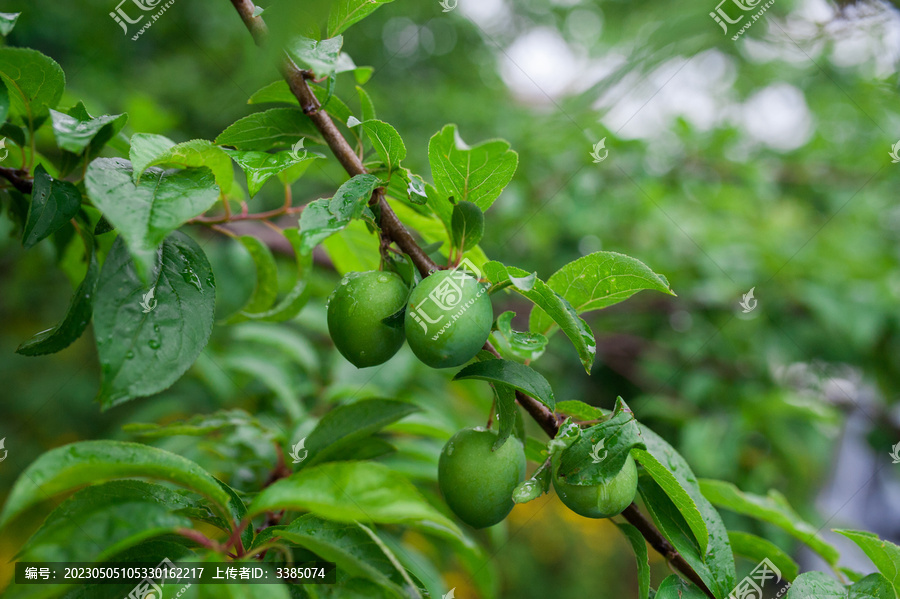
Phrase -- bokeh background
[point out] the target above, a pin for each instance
(760, 163)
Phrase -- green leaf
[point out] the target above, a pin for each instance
(884, 554)
(534, 487)
(321, 56)
(291, 304)
(772, 508)
(74, 133)
(580, 410)
(347, 545)
(597, 281)
(322, 218)
(195, 154)
(146, 339)
(347, 424)
(352, 492)
(269, 129)
(477, 174)
(466, 225)
(601, 451)
(552, 303)
(667, 466)
(756, 549)
(145, 148)
(516, 375)
(266, 290)
(277, 92)
(517, 345)
(7, 22)
(35, 83)
(366, 105)
(345, 13)
(816, 585)
(89, 462)
(145, 213)
(77, 315)
(873, 586)
(639, 545)
(4, 107)
(506, 412)
(262, 166)
(53, 204)
(387, 143)
(119, 514)
(674, 587)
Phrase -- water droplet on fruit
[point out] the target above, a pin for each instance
(382, 278)
(449, 449)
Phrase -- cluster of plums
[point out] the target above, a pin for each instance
(478, 483)
(448, 317)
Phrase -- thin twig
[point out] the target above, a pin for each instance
(18, 177)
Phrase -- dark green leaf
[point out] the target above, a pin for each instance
(77, 315)
(53, 204)
(516, 345)
(884, 554)
(639, 545)
(601, 451)
(261, 166)
(873, 586)
(773, 508)
(4, 106)
(75, 133)
(35, 83)
(597, 281)
(347, 424)
(674, 587)
(756, 549)
(144, 214)
(506, 412)
(321, 218)
(466, 225)
(148, 338)
(552, 303)
(291, 304)
(516, 375)
(387, 143)
(477, 174)
(345, 13)
(278, 127)
(816, 585)
(266, 290)
(89, 462)
(7, 22)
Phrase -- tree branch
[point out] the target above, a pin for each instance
(392, 228)
(19, 178)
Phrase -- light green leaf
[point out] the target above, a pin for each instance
(816, 585)
(261, 166)
(7, 22)
(387, 143)
(53, 204)
(195, 154)
(477, 174)
(321, 56)
(35, 83)
(145, 213)
(74, 133)
(277, 127)
(552, 303)
(516, 345)
(291, 304)
(366, 104)
(580, 410)
(145, 148)
(321, 218)
(772, 508)
(518, 376)
(466, 225)
(534, 487)
(345, 13)
(147, 337)
(597, 281)
(89, 462)
(266, 290)
(674, 587)
(884, 554)
(756, 549)
(639, 545)
(873, 586)
(352, 492)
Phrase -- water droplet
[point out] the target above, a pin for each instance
(449, 449)
(191, 277)
(156, 328)
(210, 281)
(382, 278)
(129, 355)
(153, 343)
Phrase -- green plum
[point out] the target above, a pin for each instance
(476, 482)
(599, 501)
(448, 319)
(356, 309)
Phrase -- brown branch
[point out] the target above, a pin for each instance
(394, 229)
(19, 178)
